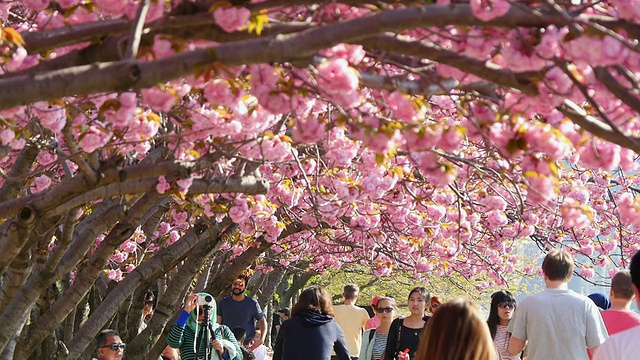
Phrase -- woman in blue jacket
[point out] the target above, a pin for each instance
(311, 333)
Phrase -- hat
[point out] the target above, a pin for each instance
(600, 300)
(374, 301)
(285, 311)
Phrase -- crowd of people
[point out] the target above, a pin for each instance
(556, 323)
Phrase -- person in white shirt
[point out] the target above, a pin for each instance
(557, 323)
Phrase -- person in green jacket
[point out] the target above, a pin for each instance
(182, 335)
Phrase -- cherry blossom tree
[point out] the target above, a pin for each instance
(145, 143)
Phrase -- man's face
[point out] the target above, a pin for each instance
(238, 287)
(105, 352)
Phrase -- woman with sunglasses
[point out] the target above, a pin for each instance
(503, 304)
(374, 341)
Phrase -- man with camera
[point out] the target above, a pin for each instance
(198, 336)
(239, 310)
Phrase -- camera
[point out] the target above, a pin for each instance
(205, 300)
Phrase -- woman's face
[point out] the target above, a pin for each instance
(417, 303)
(505, 310)
(386, 311)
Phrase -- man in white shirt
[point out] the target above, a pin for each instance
(625, 344)
(557, 323)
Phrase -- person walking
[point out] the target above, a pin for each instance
(619, 317)
(404, 333)
(503, 304)
(556, 323)
(311, 333)
(351, 318)
(374, 341)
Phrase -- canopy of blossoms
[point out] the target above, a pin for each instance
(440, 137)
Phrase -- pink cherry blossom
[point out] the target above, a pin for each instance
(36, 5)
(338, 80)
(45, 158)
(239, 212)
(40, 183)
(587, 272)
(111, 6)
(115, 275)
(179, 217)
(158, 99)
(185, 184)
(94, 138)
(231, 19)
(487, 10)
(52, 117)
(119, 257)
(162, 185)
(65, 4)
(173, 237)
(7, 135)
(128, 246)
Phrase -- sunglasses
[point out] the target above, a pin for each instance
(386, 309)
(115, 347)
(507, 304)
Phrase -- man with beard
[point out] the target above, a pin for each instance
(239, 310)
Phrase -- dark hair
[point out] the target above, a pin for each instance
(240, 333)
(558, 265)
(423, 291)
(634, 268)
(350, 291)
(244, 278)
(456, 332)
(493, 320)
(621, 285)
(101, 339)
(314, 298)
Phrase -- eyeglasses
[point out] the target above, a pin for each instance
(386, 309)
(507, 304)
(435, 306)
(115, 347)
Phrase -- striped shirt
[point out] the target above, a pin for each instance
(379, 345)
(501, 341)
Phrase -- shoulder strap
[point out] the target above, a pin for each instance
(400, 322)
(372, 333)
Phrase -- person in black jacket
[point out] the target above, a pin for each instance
(311, 333)
(404, 333)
